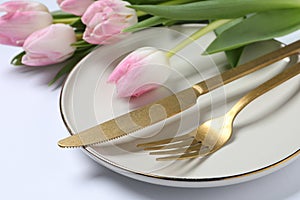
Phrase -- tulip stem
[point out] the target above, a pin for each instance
(140, 13)
(79, 36)
(210, 27)
(66, 20)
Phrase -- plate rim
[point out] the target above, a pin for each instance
(194, 182)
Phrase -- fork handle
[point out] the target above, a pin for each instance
(265, 87)
(247, 68)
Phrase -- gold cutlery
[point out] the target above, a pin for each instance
(171, 105)
(215, 133)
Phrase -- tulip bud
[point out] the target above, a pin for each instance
(49, 45)
(22, 18)
(141, 71)
(105, 21)
(75, 7)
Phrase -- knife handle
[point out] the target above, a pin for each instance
(247, 68)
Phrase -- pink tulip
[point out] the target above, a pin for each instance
(141, 71)
(105, 21)
(49, 45)
(22, 18)
(75, 7)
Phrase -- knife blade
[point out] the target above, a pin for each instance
(171, 105)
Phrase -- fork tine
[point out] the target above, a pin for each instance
(193, 155)
(178, 150)
(184, 143)
(180, 157)
(164, 141)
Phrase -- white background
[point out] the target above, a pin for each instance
(34, 167)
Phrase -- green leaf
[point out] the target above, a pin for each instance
(65, 70)
(152, 21)
(146, 1)
(162, 2)
(233, 56)
(71, 63)
(216, 9)
(259, 27)
(81, 43)
(62, 15)
(78, 25)
(228, 25)
(169, 22)
(17, 60)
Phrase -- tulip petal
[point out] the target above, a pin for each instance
(141, 71)
(13, 6)
(76, 7)
(142, 79)
(132, 60)
(5, 40)
(105, 21)
(21, 19)
(49, 45)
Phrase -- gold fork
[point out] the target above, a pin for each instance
(213, 134)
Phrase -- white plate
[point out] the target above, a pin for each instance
(266, 135)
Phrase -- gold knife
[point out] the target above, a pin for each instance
(171, 105)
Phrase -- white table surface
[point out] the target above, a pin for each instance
(34, 167)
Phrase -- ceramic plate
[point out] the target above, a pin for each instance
(266, 133)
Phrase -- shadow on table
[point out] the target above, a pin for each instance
(280, 185)
(42, 75)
